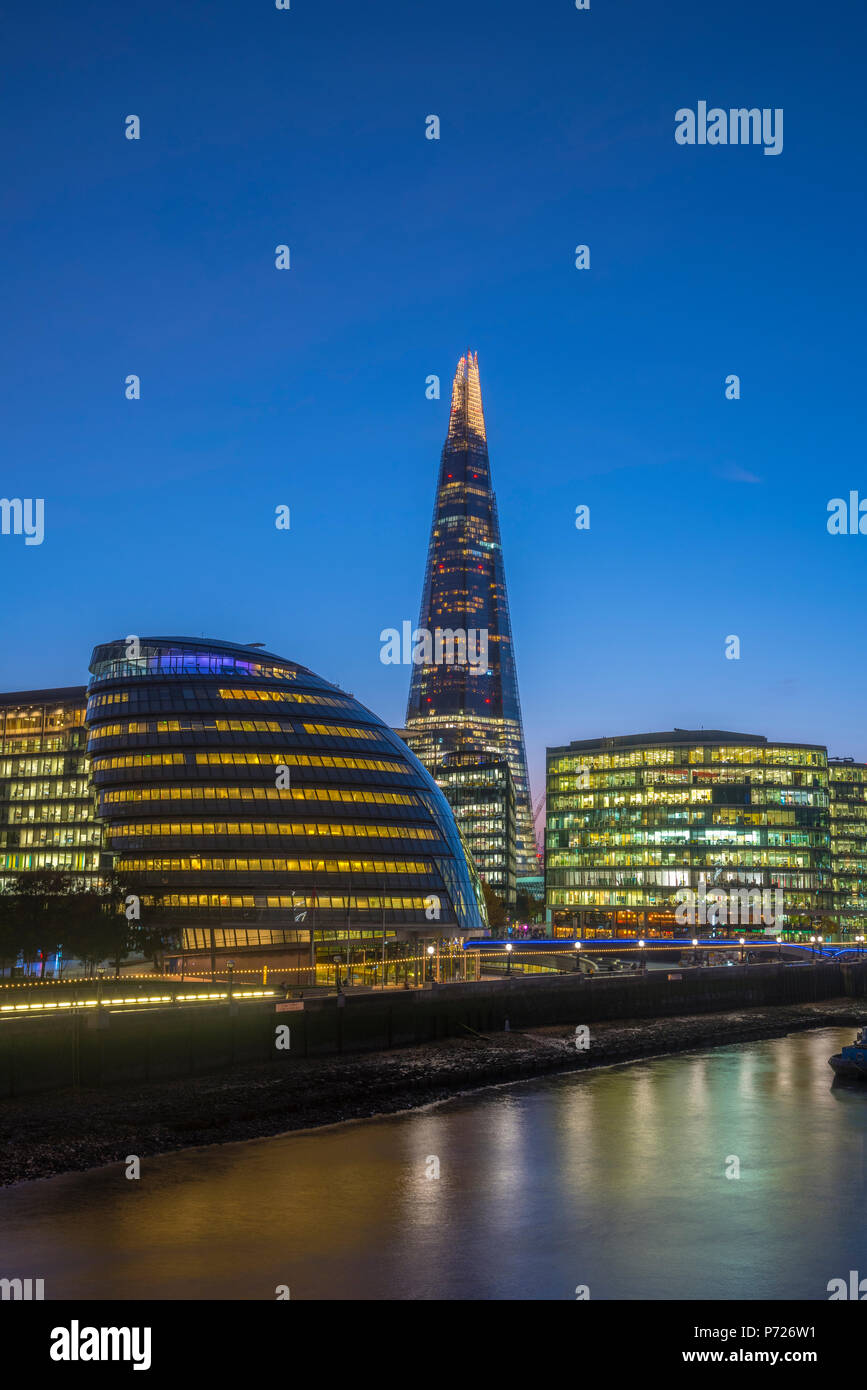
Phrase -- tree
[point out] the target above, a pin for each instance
(33, 902)
(495, 907)
(10, 944)
(44, 911)
(154, 941)
(528, 908)
(96, 926)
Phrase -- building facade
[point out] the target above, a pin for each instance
(480, 789)
(848, 787)
(48, 815)
(533, 885)
(459, 705)
(633, 821)
(262, 811)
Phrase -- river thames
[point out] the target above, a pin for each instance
(614, 1180)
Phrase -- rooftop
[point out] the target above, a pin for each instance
(57, 695)
(678, 737)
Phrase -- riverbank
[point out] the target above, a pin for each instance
(43, 1135)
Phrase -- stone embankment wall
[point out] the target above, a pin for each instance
(64, 1051)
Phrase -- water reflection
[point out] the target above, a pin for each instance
(616, 1179)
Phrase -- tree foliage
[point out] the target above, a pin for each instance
(44, 911)
(495, 906)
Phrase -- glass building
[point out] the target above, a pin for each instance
(47, 806)
(631, 820)
(849, 843)
(533, 885)
(480, 789)
(263, 811)
(454, 705)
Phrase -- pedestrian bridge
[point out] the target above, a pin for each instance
(564, 953)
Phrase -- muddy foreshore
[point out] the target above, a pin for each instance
(60, 1132)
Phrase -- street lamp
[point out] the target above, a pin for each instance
(742, 945)
(508, 957)
(578, 956)
(231, 968)
(813, 950)
(695, 950)
(641, 946)
(430, 951)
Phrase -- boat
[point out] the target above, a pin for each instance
(851, 1062)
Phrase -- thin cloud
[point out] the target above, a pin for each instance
(733, 473)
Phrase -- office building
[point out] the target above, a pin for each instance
(48, 816)
(481, 792)
(469, 704)
(263, 811)
(632, 820)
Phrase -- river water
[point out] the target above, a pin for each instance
(614, 1180)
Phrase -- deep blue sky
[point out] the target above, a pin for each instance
(306, 387)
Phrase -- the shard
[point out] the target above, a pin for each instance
(455, 705)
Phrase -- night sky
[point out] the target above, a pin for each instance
(306, 387)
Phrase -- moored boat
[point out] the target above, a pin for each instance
(851, 1062)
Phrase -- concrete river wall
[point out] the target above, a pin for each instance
(121, 1047)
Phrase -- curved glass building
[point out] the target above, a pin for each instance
(261, 809)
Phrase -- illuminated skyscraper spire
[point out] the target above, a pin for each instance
(456, 705)
(467, 419)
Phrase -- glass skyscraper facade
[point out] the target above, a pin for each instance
(456, 706)
(849, 843)
(253, 800)
(480, 789)
(631, 820)
(48, 816)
